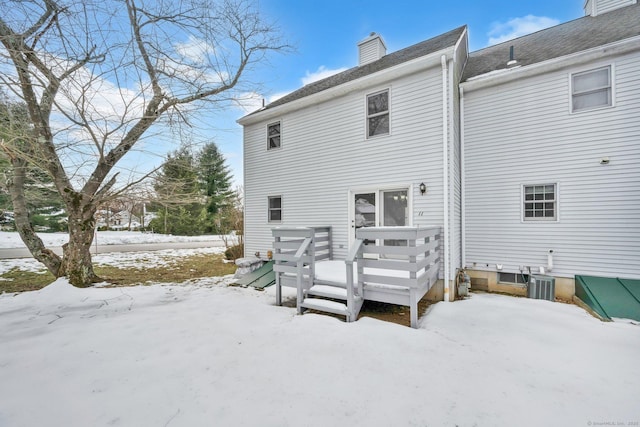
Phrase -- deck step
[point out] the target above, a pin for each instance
(325, 305)
(328, 292)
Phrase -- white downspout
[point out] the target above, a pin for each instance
(445, 175)
(463, 177)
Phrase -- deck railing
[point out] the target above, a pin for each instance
(397, 265)
(296, 249)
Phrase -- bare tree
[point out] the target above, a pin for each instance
(98, 76)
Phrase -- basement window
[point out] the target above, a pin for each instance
(513, 278)
(378, 113)
(591, 89)
(275, 209)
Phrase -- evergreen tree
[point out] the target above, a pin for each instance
(215, 181)
(179, 194)
(43, 203)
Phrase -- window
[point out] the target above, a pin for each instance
(540, 202)
(275, 208)
(378, 114)
(591, 89)
(273, 135)
(517, 278)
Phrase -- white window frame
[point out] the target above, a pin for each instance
(269, 147)
(556, 202)
(368, 116)
(270, 209)
(610, 87)
(378, 190)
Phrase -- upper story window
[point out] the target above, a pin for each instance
(273, 135)
(591, 89)
(275, 209)
(540, 202)
(378, 114)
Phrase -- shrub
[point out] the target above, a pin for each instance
(234, 252)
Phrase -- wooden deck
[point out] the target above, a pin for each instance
(396, 265)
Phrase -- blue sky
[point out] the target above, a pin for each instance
(325, 36)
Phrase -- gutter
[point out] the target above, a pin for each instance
(445, 176)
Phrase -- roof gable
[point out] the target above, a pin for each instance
(424, 48)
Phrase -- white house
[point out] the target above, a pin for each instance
(433, 135)
(354, 149)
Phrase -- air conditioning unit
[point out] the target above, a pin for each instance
(541, 287)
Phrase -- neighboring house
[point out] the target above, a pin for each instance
(121, 220)
(432, 135)
(551, 137)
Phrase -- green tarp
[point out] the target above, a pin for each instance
(610, 297)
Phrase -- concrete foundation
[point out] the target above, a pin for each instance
(488, 281)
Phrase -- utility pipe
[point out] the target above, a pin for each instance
(463, 191)
(445, 175)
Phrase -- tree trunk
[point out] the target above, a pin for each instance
(76, 260)
(23, 225)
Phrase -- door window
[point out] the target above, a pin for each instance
(389, 208)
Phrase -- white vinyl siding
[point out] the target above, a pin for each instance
(327, 155)
(523, 132)
(591, 89)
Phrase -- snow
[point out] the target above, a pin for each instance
(12, 239)
(204, 353)
(335, 271)
(144, 259)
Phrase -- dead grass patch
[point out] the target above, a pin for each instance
(378, 310)
(20, 281)
(184, 268)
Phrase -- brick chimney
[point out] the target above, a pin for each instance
(371, 49)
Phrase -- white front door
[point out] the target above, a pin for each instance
(377, 208)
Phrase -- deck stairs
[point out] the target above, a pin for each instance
(395, 265)
(331, 297)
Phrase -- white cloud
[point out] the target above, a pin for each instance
(278, 95)
(321, 73)
(249, 102)
(252, 101)
(194, 49)
(517, 27)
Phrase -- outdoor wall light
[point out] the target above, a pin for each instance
(423, 188)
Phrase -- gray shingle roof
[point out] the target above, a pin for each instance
(564, 39)
(421, 49)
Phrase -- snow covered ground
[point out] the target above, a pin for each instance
(12, 239)
(124, 260)
(204, 354)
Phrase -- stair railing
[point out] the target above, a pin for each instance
(353, 288)
(299, 259)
